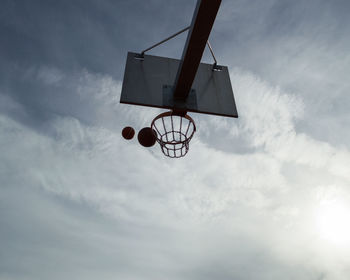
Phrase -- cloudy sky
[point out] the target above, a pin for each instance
(265, 196)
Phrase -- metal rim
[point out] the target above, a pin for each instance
(171, 113)
(178, 145)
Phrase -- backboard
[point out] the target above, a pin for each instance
(150, 82)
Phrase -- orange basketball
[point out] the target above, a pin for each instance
(147, 137)
(128, 132)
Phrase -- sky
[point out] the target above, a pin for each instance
(265, 196)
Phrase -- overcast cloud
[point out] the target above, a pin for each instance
(265, 196)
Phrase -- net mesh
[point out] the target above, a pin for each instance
(174, 133)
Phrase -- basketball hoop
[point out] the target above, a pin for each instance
(182, 86)
(174, 133)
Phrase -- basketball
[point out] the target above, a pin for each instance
(128, 132)
(147, 137)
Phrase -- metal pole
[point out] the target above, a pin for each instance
(202, 23)
(212, 53)
(167, 39)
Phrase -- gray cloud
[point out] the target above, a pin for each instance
(300, 46)
(76, 200)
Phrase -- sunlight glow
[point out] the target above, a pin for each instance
(333, 222)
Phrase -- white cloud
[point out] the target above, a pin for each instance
(50, 75)
(78, 201)
(212, 194)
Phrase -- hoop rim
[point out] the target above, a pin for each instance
(173, 148)
(171, 113)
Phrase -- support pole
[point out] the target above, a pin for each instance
(202, 23)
